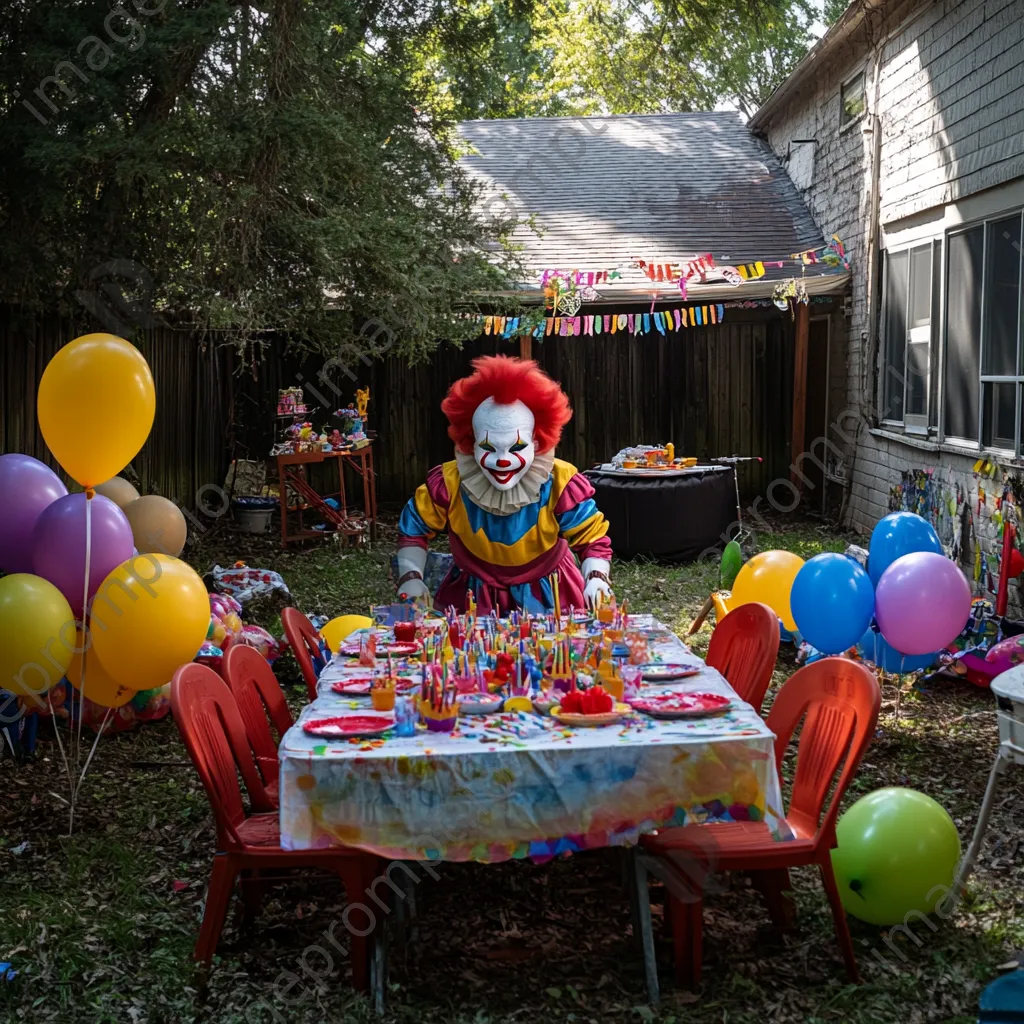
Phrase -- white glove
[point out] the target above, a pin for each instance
(595, 586)
(412, 559)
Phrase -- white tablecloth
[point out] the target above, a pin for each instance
(505, 786)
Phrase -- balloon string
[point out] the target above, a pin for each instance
(63, 756)
(85, 629)
(88, 760)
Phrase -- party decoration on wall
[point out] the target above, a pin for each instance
(37, 631)
(27, 488)
(768, 578)
(661, 321)
(163, 621)
(898, 534)
(96, 406)
(922, 602)
(157, 525)
(941, 503)
(59, 545)
(118, 490)
(896, 856)
(832, 601)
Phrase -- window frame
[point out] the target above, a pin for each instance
(914, 423)
(978, 445)
(844, 123)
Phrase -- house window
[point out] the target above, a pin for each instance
(907, 391)
(984, 372)
(851, 100)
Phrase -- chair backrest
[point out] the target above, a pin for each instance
(261, 703)
(837, 700)
(335, 631)
(214, 735)
(305, 642)
(743, 648)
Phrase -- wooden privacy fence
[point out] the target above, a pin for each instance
(721, 391)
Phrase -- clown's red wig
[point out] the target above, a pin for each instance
(506, 380)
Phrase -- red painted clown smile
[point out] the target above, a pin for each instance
(500, 473)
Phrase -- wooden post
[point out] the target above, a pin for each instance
(525, 346)
(796, 447)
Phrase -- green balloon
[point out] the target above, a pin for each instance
(732, 562)
(898, 851)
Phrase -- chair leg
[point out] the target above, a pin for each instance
(643, 916)
(696, 930)
(254, 888)
(357, 876)
(218, 897)
(828, 879)
(775, 886)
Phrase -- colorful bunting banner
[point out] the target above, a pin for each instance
(592, 325)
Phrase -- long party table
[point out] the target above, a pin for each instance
(520, 786)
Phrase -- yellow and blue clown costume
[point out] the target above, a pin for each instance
(505, 560)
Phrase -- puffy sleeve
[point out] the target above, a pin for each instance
(426, 512)
(581, 522)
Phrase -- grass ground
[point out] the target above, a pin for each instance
(101, 924)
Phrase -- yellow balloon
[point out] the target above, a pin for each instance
(118, 490)
(99, 687)
(37, 636)
(768, 578)
(96, 406)
(342, 626)
(149, 616)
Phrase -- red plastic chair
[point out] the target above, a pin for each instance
(259, 697)
(305, 642)
(743, 648)
(212, 730)
(838, 701)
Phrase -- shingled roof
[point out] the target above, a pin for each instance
(606, 191)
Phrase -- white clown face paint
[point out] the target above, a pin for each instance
(503, 445)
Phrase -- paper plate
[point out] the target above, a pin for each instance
(682, 705)
(608, 718)
(659, 672)
(345, 726)
(357, 687)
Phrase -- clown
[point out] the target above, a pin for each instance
(514, 513)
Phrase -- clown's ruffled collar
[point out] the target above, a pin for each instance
(503, 503)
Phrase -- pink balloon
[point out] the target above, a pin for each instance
(922, 602)
(58, 545)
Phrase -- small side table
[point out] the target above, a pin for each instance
(1008, 689)
(291, 472)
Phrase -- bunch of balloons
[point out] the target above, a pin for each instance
(147, 612)
(910, 603)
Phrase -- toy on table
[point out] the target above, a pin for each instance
(362, 401)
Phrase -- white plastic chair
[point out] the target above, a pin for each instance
(1008, 688)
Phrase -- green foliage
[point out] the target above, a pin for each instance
(833, 10)
(267, 167)
(622, 56)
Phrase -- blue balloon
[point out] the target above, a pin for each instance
(899, 534)
(875, 648)
(832, 601)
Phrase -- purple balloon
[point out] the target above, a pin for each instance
(26, 488)
(922, 602)
(58, 545)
